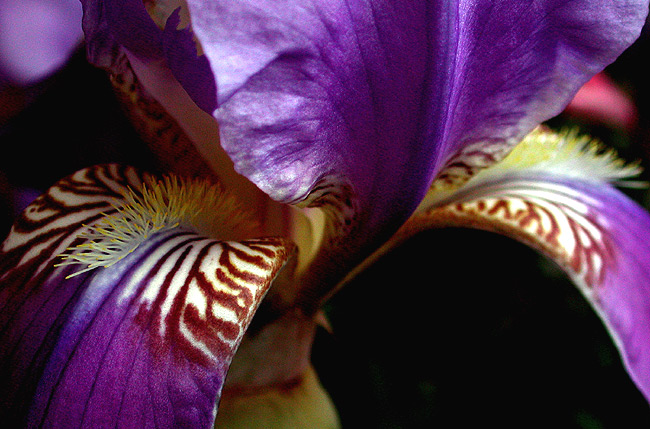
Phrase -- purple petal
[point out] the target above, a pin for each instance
(37, 37)
(112, 26)
(382, 93)
(624, 294)
(143, 343)
(593, 231)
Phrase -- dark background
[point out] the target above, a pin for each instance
(489, 332)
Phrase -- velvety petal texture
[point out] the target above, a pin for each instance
(361, 94)
(381, 93)
(145, 341)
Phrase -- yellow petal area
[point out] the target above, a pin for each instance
(303, 405)
(566, 154)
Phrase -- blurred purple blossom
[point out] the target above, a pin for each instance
(36, 38)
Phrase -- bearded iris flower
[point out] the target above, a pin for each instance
(126, 298)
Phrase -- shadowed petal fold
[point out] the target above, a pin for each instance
(145, 341)
(113, 28)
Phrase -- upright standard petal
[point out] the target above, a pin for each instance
(375, 91)
(142, 336)
(552, 194)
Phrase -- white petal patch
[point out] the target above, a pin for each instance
(197, 299)
(514, 196)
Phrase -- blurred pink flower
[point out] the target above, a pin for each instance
(601, 101)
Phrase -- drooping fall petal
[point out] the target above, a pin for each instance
(552, 194)
(144, 335)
